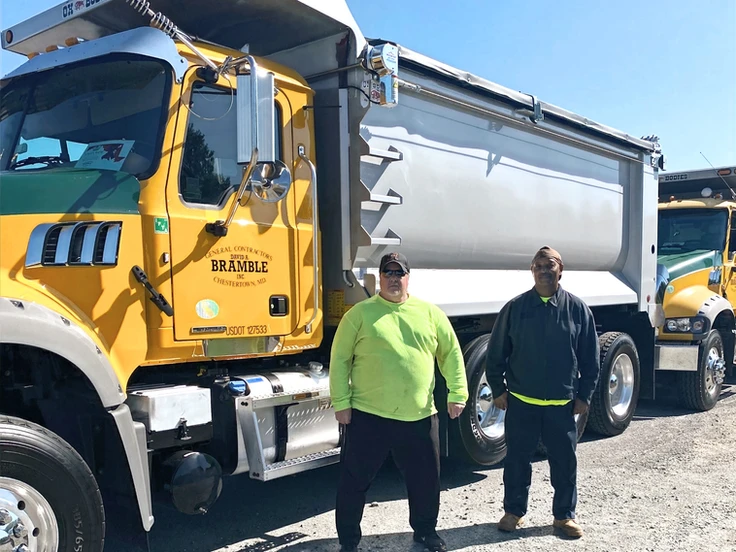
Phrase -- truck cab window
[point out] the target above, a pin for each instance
(732, 238)
(48, 120)
(210, 170)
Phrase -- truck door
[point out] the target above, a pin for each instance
(242, 285)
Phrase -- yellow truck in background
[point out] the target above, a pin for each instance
(697, 279)
(194, 193)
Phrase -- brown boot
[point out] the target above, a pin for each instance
(569, 527)
(510, 522)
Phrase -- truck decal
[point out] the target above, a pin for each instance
(207, 309)
(239, 266)
(70, 9)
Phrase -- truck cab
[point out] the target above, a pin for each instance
(697, 279)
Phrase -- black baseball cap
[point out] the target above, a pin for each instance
(397, 258)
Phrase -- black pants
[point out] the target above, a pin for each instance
(524, 424)
(415, 449)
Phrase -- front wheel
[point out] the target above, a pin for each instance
(49, 499)
(617, 393)
(481, 425)
(700, 390)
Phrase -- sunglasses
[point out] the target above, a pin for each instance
(398, 273)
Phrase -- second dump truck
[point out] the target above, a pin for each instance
(696, 280)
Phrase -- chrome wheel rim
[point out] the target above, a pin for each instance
(714, 364)
(27, 521)
(490, 418)
(621, 386)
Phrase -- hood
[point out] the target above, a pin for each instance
(68, 191)
(680, 264)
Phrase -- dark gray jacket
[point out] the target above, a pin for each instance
(539, 348)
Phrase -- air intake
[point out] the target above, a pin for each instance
(74, 244)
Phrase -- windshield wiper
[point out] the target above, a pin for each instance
(48, 159)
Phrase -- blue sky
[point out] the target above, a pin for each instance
(664, 67)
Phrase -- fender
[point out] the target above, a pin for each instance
(713, 306)
(696, 300)
(23, 322)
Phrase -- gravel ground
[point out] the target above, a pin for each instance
(668, 483)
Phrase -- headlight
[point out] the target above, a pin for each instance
(695, 325)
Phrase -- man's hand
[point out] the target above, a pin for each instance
(581, 407)
(502, 401)
(344, 416)
(455, 409)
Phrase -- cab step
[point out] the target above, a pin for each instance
(249, 408)
(297, 465)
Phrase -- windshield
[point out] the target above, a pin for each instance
(102, 114)
(687, 230)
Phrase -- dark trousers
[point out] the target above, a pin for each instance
(415, 449)
(524, 424)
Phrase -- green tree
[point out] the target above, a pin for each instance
(200, 182)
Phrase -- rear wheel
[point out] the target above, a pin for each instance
(700, 390)
(49, 499)
(481, 425)
(617, 394)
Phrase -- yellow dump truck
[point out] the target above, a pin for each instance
(194, 193)
(697, 280)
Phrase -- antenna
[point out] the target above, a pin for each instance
(165, 24)
(733, 194)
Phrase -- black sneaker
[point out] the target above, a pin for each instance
(432, 542)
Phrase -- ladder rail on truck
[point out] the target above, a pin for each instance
(697, 252)
(220, 194)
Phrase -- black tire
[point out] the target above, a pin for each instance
(694, 386)
(42, 460)
(472, 443)
(604, 418)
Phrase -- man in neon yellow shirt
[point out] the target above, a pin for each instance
(540, 341)
(382, 377)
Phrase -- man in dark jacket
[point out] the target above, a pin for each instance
(542, 366)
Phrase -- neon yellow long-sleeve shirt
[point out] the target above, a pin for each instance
(382, 359)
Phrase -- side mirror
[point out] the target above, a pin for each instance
(256, 144)
(271, 181)
(714, 278)
(256, 113)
